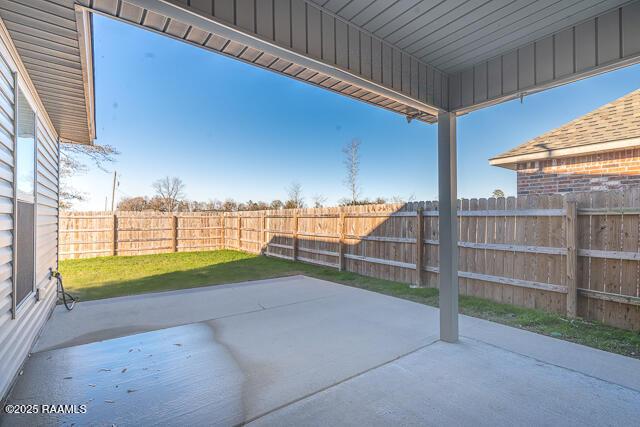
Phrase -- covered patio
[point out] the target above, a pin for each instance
(302, 351)
(429, 61)
(298, 350)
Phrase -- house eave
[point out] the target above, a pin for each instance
(7, 41)
(510, 162)
(84, 24)
(50, 67)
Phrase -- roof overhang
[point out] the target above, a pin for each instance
(511, 162)
(22, 72)
(85, 44)
(179, 21)
(413, 58)
(53, 40)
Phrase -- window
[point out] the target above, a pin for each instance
(26, 149)
(24, 221)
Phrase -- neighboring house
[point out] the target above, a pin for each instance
(598, 151)
(46, 96)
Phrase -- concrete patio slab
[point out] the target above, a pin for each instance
(95, 320)
(288, 350)
(151, 378)
(467, 384)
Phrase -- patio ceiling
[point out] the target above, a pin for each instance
(456, 35)
(201, 31)
(413, 57)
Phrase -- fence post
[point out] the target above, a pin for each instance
(341, 241)
(265, 230)
(419, 246)
(295, 235)
(174, 233)
(239, 225)
(571, 226)
(262, 233)
(114, 248)
(223, 221)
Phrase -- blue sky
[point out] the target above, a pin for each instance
(231, 130)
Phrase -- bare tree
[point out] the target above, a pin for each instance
(319, 200)
(229, 205)
(137, 204)
(294, 192)
(170, 191)
(184, 206)
(352, 164)
(208, 206)
(255, 206)
(156, 203)
(214, 205)
(73, 162)
(276, 204)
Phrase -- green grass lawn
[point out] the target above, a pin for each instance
(107, 277)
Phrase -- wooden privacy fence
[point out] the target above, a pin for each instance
(578, 256)
(92, 234)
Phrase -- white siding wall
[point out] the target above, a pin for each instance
(18, 334)
(47, 225)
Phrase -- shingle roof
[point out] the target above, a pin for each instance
(618, 120)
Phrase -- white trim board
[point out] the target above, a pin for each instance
(601, 147)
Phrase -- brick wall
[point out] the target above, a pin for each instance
(595, 172)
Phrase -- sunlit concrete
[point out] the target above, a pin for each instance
(304, 351)
(111, 318)
(469, 384)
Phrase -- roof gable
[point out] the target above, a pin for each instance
(616, 121)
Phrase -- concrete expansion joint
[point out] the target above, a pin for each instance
(552, 364)
(263, 308)
(430, 342)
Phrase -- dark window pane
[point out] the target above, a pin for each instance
(24, 251)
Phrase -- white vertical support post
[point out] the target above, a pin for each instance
(447, 186)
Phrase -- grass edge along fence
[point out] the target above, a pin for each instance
(576, 255)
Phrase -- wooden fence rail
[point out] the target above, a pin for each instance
(579, 255)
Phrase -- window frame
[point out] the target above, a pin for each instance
(20, 86)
